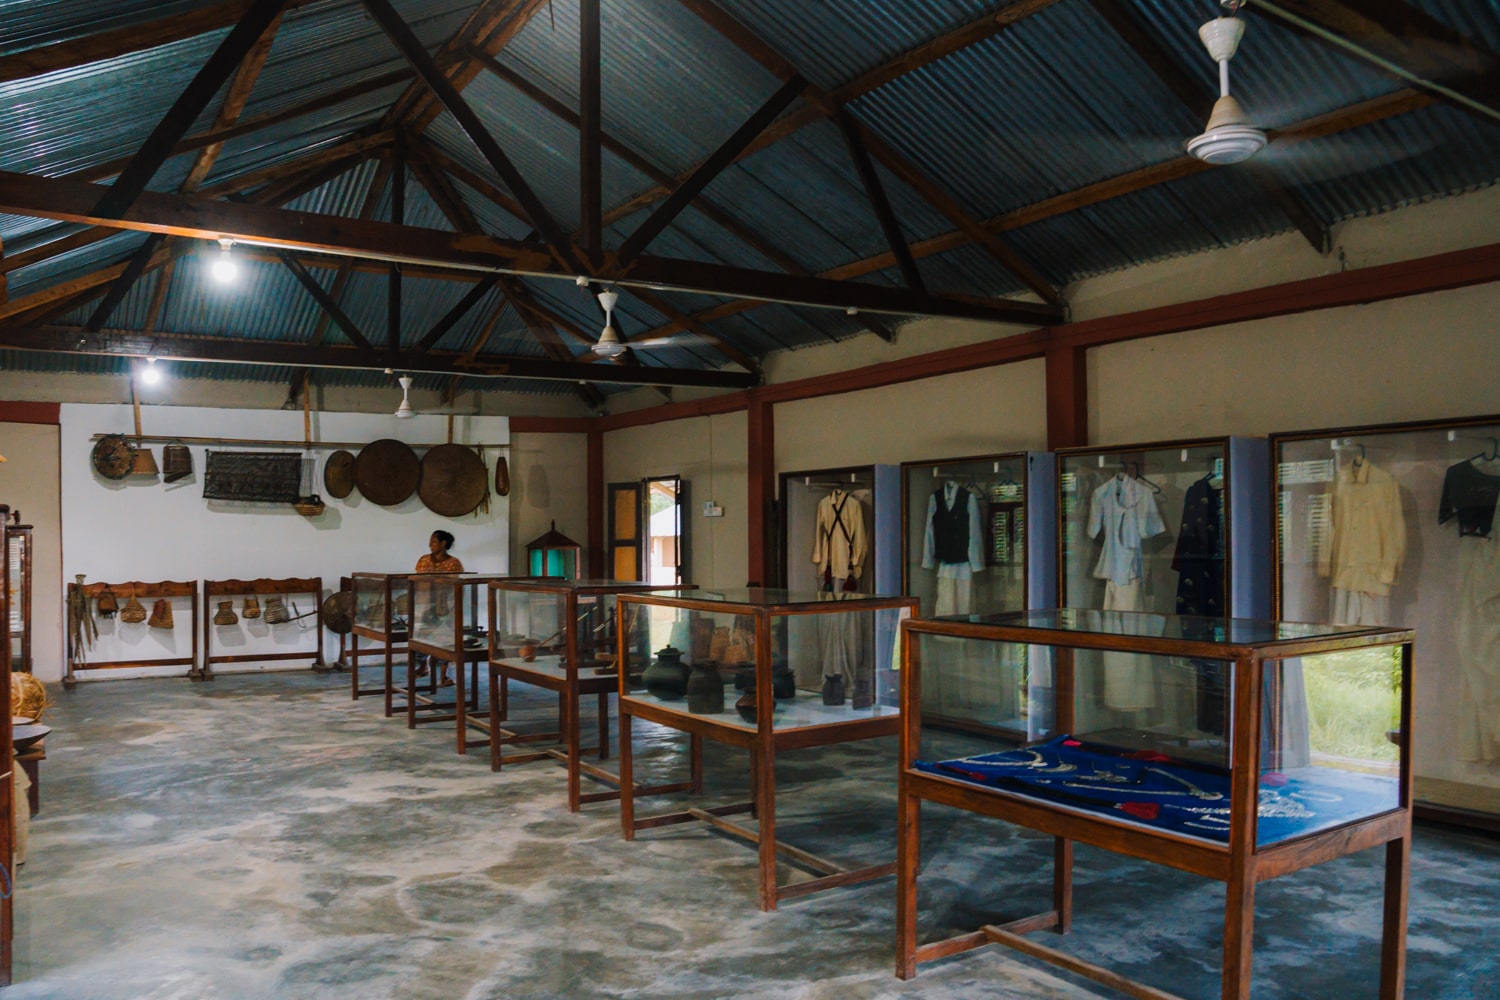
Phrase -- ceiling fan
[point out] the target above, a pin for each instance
(610, 347)
(1229, 137)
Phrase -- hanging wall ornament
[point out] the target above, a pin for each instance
(502, 477)
(113, 457)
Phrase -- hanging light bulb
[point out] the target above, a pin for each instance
(404, 411)
(224, 269)
(609, 345)
(151, 374)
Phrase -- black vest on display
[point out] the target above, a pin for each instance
(950, 528)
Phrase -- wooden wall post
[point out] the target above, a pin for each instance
(1067, 396)
(761, 464)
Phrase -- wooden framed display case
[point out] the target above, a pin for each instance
(382, 609)
(834, 521)
(7, 754)
(115, 626)
(814, 670)
(559, 635)
(18, 591)
(1394, 524)
(271, 601)
(449, 624)
(1285, 785)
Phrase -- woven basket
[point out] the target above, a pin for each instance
(276, 612)
(133, 612)
(252, 607)
(225, 615)
(161, 614)
(309, 506)
(27, 696)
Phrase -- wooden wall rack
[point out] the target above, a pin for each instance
(311, 586)
(143, 592)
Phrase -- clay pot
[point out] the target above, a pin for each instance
(667, 676)
(744, 678)
(833, 689)
(527, 652)
(705, 689)
(783, 681)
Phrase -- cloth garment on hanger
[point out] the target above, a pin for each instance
(953, 544)
(1469, 494)
(840, 545)
(1199, 562)
(1367, 533)
(1129, 679)
(1123, 510)
(1354, 607)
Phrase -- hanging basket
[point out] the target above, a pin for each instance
(252, 607)
(133, 612)
(161, 614)
(309, 506)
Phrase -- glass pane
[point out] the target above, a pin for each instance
(966, 535)
(626, 504)
(1144, 530)
(1331, 755)
(1236, 631)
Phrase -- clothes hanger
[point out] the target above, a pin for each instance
(1134, 469)
(1492, 456)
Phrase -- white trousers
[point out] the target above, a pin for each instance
(1354, 607)
(954, 597)
(1128, 677)
(1478, 626)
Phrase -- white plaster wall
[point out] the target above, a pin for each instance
(29, 483)
(148, 531)
(978, 412)
(548, 481)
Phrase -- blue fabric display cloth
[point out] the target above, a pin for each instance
(1158, 791)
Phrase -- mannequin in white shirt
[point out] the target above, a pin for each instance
(953, 544)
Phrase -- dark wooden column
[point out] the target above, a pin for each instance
(1067, 396)
(761, 463)
(596, 504)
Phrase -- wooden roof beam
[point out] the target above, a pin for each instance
(898, 164)
(184, 347)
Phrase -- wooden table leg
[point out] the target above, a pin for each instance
(908, 865)
(1239, 927)
(763, 761)
(695, 762)
(354, 660)
(627, 779)
(575, 746)
(1393, 930)
(1062, 883)
(603, 725)
(495, 755)
(390, 682)
(460, 707)
(411, 689)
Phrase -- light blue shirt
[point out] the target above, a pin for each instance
(1124, 509)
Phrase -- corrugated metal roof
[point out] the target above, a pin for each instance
(1053, 103)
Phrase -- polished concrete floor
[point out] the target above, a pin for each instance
(266, 836)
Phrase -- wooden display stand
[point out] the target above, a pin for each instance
(563, 676)
(144, 592)
(763, 742)
(422, 705)
(7, 786)
(389, 641)
(312, 586)
(1241, 863)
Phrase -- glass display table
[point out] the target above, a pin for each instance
(807, 670)
(1258, 774)
(382, 610)
(559, 635)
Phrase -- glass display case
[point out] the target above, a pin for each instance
(18, 591)
(561, 635)
(839, 529)
(7, 787)
(449, 624)
(769, 671)
(1266, 775)
(1394, 525)
(382, 610)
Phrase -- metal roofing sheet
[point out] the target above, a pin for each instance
(27, 24)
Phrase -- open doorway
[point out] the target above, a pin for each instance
(665, 543)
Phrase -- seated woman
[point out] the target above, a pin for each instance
(438, 560)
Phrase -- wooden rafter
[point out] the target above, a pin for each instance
(1344, 119)
(590, 131)
(24, 194)
(328, 303)
(1199, 102)
(452, 100)
(187, 347)
(898, 164)
(875, 191)
(710, 168)
(188, 106)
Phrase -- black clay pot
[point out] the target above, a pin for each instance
(746, 707)
(744, 678)
(833, 689)
(705, 689)
(667, 676)
(783, 681)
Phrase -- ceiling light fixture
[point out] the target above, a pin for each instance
(151, 374)
(1229, 137)
(404, 411)
(609, 344)
(224, 269)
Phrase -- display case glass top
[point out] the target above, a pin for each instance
(382, 603)
(771, 597)
(443, 605)
(1189, 727)
(1223, 631)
